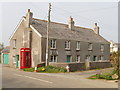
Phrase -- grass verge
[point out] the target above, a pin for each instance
(106, 76)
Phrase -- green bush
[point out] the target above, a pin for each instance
(47, 69)
(115, 71)
(107, 76)
(29, 69)
(102, 76)
(51, 69)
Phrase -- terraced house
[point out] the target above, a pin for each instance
(67, 43)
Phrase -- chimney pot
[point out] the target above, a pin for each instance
(71, 23)
(28, 10)
(96, 29)
(71, 19)
(95, 24)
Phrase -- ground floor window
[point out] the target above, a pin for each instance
(53, 58)
(87, 57)
(101, 58)
(94, 58)
(69, 58)
(78, 58)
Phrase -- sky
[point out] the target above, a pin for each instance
(85, 14)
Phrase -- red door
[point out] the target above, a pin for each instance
(25, 60)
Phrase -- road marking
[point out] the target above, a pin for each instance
(34, 78)
(62, 75)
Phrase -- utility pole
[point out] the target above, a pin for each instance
(47, 41)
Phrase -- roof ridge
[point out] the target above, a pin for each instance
(63, 24)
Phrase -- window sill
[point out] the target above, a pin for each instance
(77, 49)
(53, 48)
(14, 47)
(77, 62)
(53, 62)
(67, 49)
(89, 49)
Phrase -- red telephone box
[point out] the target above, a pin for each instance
(25, 58)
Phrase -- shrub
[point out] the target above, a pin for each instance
(47, 69)
(115, 71)
(114, 58)
(51, 69)
(28, 69)
(102, 76)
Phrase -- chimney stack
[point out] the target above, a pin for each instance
(96, 29)
(29, 16)
(71, 23)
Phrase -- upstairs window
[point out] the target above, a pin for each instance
(78, 58)
(53, 58)
(14, 43)
(78, 45)
(53, 44)
(90, 46)
(102, 47)
(67, 44)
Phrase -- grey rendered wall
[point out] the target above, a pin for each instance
(61, 52)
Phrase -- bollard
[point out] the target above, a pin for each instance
(35, 69)
(67, 67)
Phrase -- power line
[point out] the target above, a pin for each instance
(98, 9)
(93, 21)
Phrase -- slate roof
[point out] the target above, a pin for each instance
(61, 31)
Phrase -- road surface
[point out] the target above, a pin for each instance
(15, 78)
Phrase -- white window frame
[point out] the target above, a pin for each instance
(14, 43)
(53, 60)
(78, 58)
(53, 44)
(67, 44)
(87, 57)
(101, 58)
(90, 46)
(102, 47)
(78, 45)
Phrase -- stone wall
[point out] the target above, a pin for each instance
(94, 65)
(81, 66)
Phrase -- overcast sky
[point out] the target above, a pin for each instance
(85, 14)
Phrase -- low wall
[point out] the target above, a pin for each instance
(73, 66)
(82, 66)
(95, 65)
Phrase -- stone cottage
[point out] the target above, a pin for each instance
(67, 43)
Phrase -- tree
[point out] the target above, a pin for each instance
(1, 46)
(115, 60)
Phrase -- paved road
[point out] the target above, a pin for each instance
(13, 78)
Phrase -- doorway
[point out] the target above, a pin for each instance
(68, 58)
(17, 61)
(5, 58)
